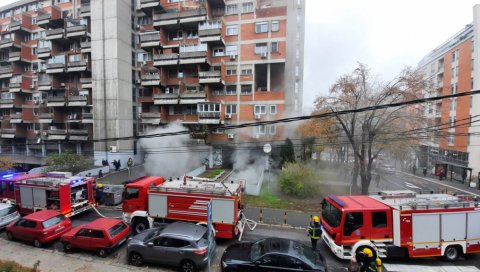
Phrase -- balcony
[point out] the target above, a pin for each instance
(56, 134)
(6, 71)
(87, 118)
(15, 26)
(10, 133)
(86, 83)
(151, 80)
(44, 52)
(45, 118)
(211, 35)
(165, 59)
(210, 77)
(7, 103)
(15, 87)
(7, 43)
(56, 101)
(148, 4)
(74, 118)
(16, 118)
(76, 31)
(150, 118)
(86, 47)
(77, 66)
(78, 134)
(150, 39)
(198, 57)
(209, 118)
(85, 10)
(45, 85)
(165, 19)
(53, 68)
(14, 56)
(193, 16)
(165, 99)
(193, 97)
(78, 101)
(43, 19)
(54, 34)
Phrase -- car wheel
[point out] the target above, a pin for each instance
(187, 266)
(135, 259)
(10, 236)
(67, 247)
(37, 243)
(451, 253)
(101, 252)
(140, 225)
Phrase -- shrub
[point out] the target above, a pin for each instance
(298, 179)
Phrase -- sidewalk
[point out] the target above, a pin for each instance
(449, 184)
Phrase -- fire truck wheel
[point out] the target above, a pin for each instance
(451, 253)
(10, 236)
(135, 259)
(37, 243)
(101, 252)
(139, 225)
(187, 266)
(67, 247)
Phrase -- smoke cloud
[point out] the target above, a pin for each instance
(172, 156)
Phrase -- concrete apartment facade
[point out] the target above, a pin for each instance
(81, 75)
(452, 68)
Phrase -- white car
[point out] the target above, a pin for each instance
(387, 168)
(8, 214)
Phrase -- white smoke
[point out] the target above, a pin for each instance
(248, 166)
(172, 156)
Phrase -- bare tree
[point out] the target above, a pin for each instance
(368, 131)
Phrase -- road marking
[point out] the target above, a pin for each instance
(410, 185)
(425, 268)
(441, 184)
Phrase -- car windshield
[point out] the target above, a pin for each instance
(7, 211)
(117, 229)
(330, 214)
(257, 250)
(153, 233)
(53, 221)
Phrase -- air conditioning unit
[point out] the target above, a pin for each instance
(45, 133)
(62, 84)
(138, 81)
(231, 136)
(257, 116)
(264, 55)
(113, 149)
(228, 116)
(233, 57)
(32, 86)
(36, 132)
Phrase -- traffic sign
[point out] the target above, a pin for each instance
(267, 148)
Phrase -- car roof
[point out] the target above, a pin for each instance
(286, 246)
(184, 230)
(141, 182)
(5, 206)
(102, 223)
(42, 215)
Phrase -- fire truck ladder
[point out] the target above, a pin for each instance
(244, 221)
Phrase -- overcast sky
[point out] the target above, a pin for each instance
(386, 35)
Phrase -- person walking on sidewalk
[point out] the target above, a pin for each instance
(314, 231)
(377, 180)
(424, 171)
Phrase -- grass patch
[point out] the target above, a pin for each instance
(267, 200)
(10, 266)
(213, 173)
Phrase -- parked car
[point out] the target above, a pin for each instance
(102, 235)
(386, 169)
(177, 244)
(39, 227)
(272, 254)
(8, 214)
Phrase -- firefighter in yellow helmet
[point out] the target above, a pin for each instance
(315, 231)
(368, 263)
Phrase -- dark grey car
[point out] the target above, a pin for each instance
(180, 244)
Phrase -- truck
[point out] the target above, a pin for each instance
(154, 199)
(401, 224)
(7, 184)
(58, 191)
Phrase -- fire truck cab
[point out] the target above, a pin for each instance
(401, 223)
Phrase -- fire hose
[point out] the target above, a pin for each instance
(95, 208)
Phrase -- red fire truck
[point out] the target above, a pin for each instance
(55, 191)
(153, 199)
(7, 184)
(402, 223)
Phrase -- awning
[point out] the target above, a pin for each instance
(10, 136)
(454, 164)
(57, 137)
(55, 104)
(78, 138)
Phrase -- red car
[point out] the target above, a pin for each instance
(101, 235)
(40, 227)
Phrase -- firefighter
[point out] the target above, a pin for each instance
(315, 231)
(367, 262)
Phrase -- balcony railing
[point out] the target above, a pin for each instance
(43, 18)
(14, 55)
(77, 100)
(151, 77)
(86, 82)
(44, 50)
(210, 32)
(5, 43)
(150, 115)
(87, 115)
(6, 70)
(164, 19)
(56, 33)
(46, 115)
(86, 46)
(78, 131)
(78, 28)
(166, 99)
(55, 68)
(149, 37)
(16, 116)
(209, 77)
(148, 3)
(165, 59)
(198, 54)
(15, 25)
(85, 10)
(77, 63)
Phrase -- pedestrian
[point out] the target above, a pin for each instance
(424, 171)
(100, 173)
(414, 168)
(440, 172)
(119, 165)
(464, 175)
(315, 231)
(377, 180)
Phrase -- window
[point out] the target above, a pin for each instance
(275, 26)
(26, 223)
(180, 73)
(246, 89)
(379, 219)
(261, 27)
(274, 48)
(260, 109)
(451, 139)
(218, 52)
(260, 130)
(261, 48)
(273, 129)
(175, 35)
(231, 89)
(247, 70)
(273, 109)
(131, 193)
(232, 30)
(117, 229)
(231, 109)
(353, 221)
(53, 221)
(231, 50)
(175, 110)
(247, 7)
(210, 107)
(231, 70)
(231, 9)
(171, 242)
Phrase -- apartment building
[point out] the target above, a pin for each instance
(90, 75)
(451, 68)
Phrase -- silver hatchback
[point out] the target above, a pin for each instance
(8, 214)
(180, 244)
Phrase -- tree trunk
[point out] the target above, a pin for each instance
(355, 176)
